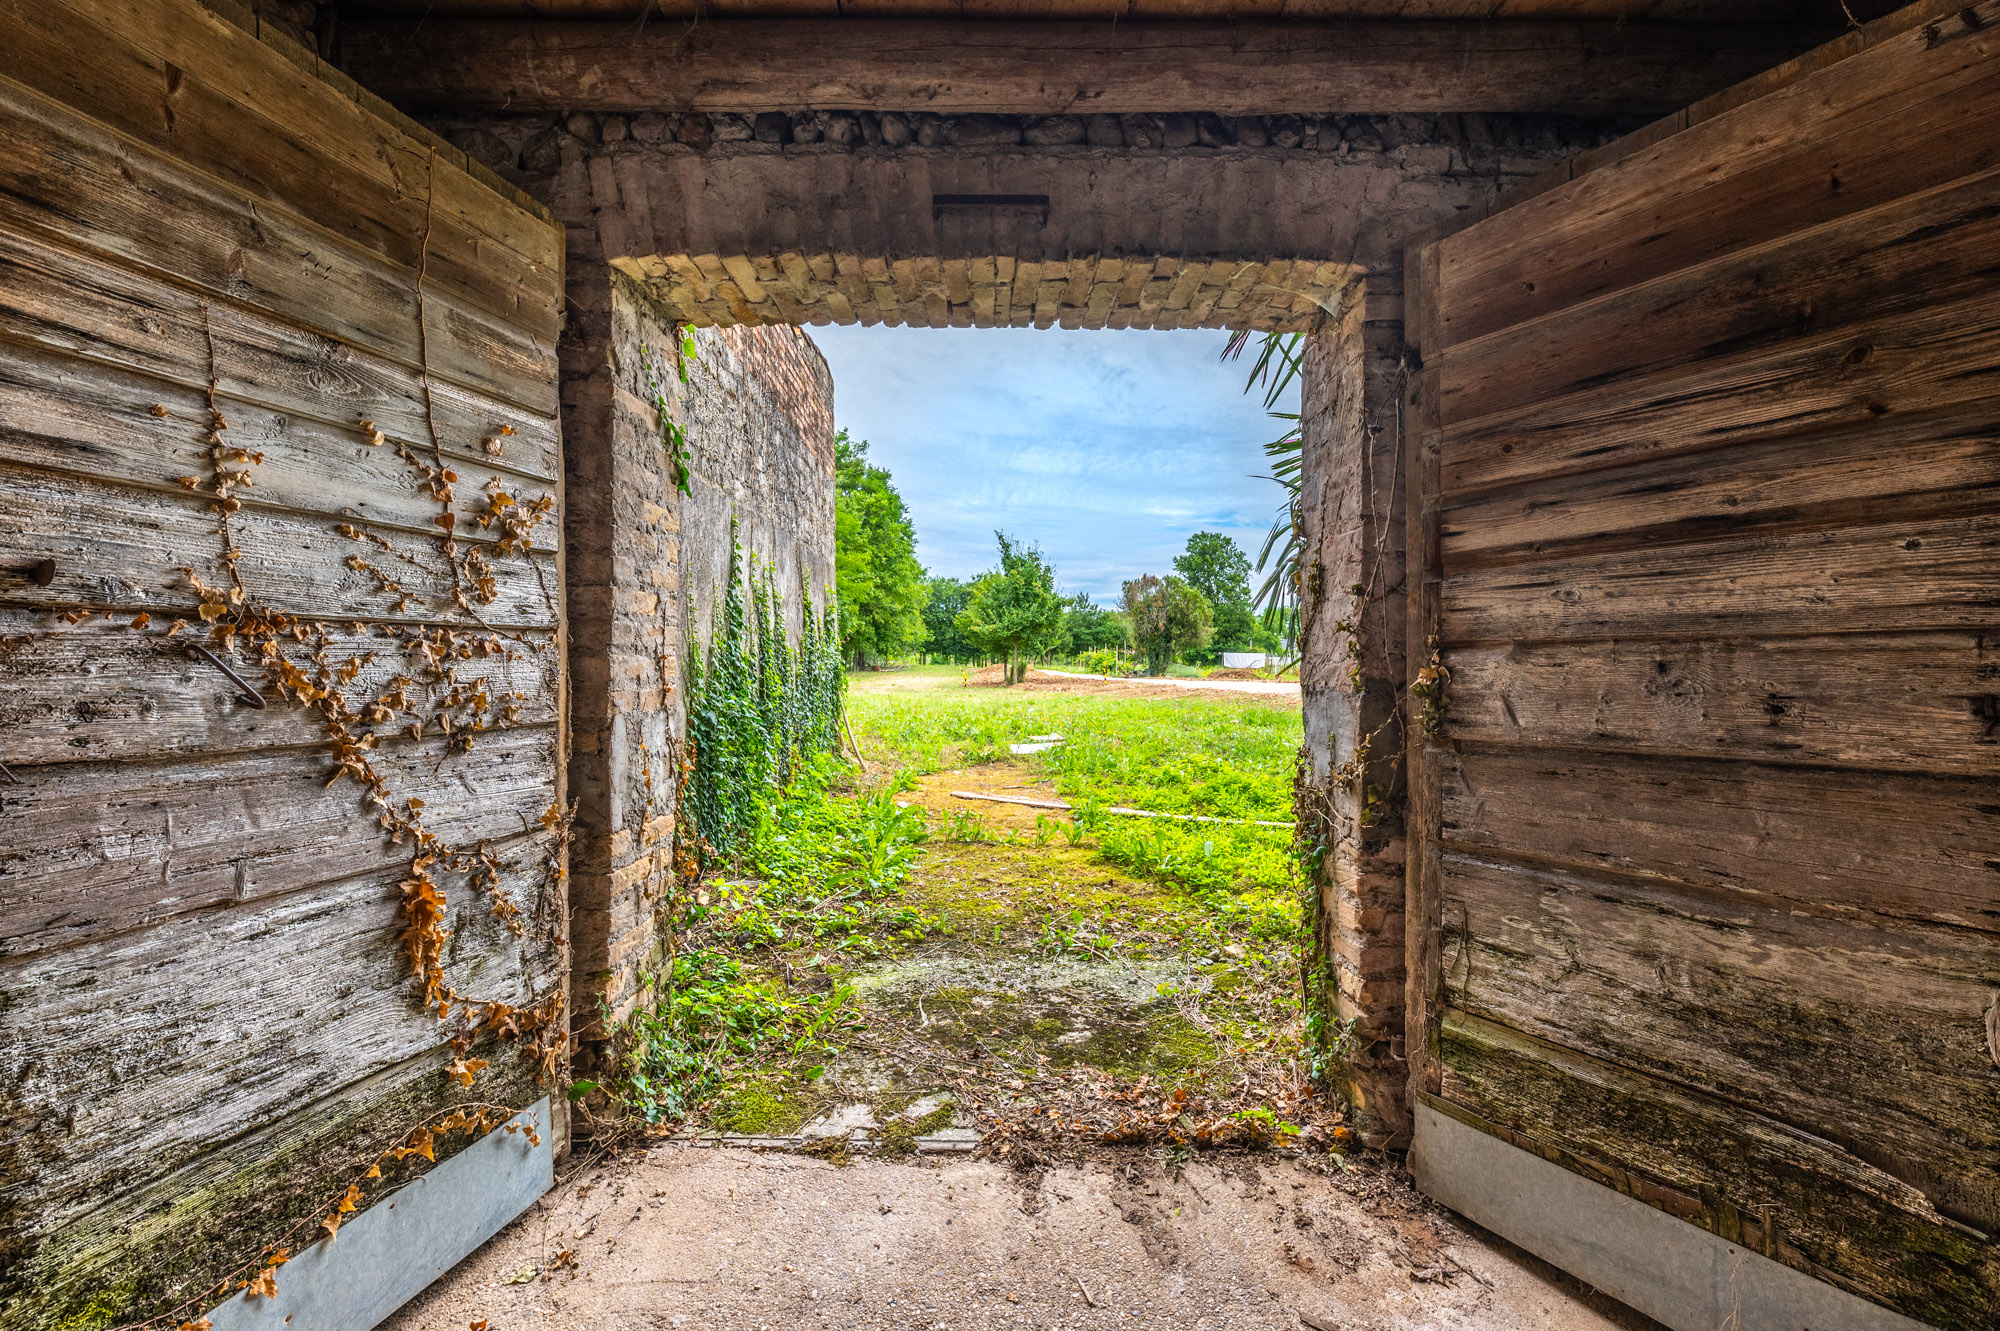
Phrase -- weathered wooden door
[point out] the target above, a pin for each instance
(1705, 885)
(280, 670)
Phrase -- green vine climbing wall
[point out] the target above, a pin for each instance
(758, 705)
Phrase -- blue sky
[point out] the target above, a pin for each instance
(1108, 448)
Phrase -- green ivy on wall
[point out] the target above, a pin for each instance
(758, 706)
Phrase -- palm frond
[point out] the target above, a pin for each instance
(1280, 357)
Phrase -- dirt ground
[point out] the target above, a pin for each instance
(1280, 693)
(683, 1238)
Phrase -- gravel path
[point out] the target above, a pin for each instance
(682, 1238)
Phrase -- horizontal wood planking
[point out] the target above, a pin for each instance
(1867, 1031)
(106, 315)
(1831, 144)
(301, 96)
(1911, 575)
(108, 1043)
(90, 420)
(1909, 702)
(118, 548)
(168, 1239)
(100, 691)
(375, 201)
(1933, 465)
(181, 850)
(1899, 845)
(1056, 68)
(1788, 1194)
(1893, 384)
(101, 848)
(68, 180)
(1865, 278)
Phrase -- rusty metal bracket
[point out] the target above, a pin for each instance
(250, 694)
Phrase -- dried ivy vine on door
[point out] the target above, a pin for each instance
(440, 684)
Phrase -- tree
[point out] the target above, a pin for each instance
(1168, 617)
(1015, 612)
(1089, 627)
(1216, 566)
(880, 584)
(946, 599)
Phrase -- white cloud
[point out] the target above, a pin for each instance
(1108, 449)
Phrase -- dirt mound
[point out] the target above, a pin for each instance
(986, 677)
(1234, 672)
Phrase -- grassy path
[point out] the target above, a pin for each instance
(911, 971)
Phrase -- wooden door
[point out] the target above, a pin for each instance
(277, 375)
(1705, 651)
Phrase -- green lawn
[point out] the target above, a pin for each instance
(877, 930)
(1218, 754)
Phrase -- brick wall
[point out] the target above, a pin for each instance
(759, 407)
(645, 571)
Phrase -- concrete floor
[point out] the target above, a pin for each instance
(683, 1238)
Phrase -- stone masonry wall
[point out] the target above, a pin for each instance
(646, 566)
(1352, 798)
(759, 414)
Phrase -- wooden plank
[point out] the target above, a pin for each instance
(100, 691)
(291, 88)
(1908, 846)
(1909, 466)
(64, 178)
(102, 848)
(1899, 576)
(1025, 68)
(1866, 1031)
(165, 1239)
(1862, 279)
(204, 106)
(119, 548)
(105, 1086)
(1828, 145)
(1902, 383)
(1793, 1196)
(91, 420)
(1910, 703)
(108, 315)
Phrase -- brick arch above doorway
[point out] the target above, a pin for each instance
(995, 291)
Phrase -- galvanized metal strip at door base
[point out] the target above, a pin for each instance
(392, 1251)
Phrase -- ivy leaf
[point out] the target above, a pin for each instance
(265, 1286)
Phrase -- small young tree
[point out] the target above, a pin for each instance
(1168, 618)
(1015, 612)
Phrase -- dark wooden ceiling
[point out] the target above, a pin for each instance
(1822, 13)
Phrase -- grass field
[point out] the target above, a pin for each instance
(887, 943)
(1217, 754)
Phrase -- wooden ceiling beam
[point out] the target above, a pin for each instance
(970, 68)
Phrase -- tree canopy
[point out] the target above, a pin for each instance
(1168, 617)
(1216, 566)
(1089, 627)
(1015, 611)
(880, 584)
(946, 600)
